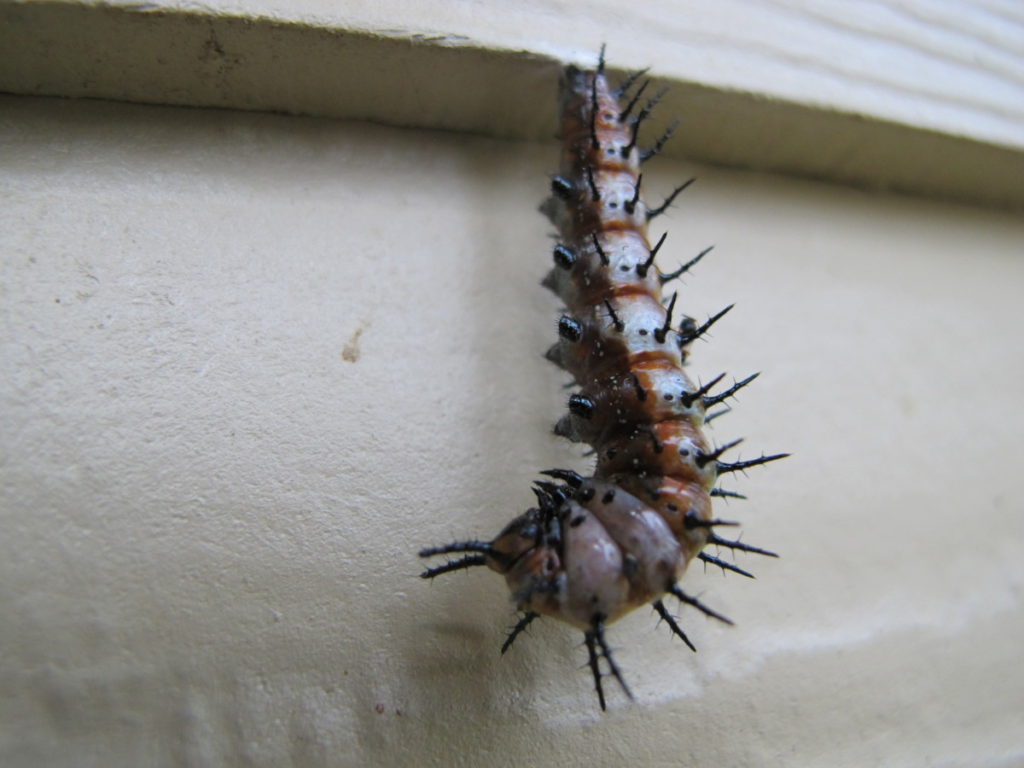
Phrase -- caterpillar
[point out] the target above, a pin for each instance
(595, 548)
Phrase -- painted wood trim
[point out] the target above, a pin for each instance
(906, 96)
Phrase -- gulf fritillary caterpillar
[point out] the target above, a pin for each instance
(597, 547)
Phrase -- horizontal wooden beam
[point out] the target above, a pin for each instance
(788, 95)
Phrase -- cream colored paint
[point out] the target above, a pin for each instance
(950, 66)
(251, 363)
(922, 96)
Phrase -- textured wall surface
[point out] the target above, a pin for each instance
(249, 364)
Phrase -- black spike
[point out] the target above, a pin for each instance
(458, 546)
(582, 406)
(523, 623)
(670, 620)
(704, 458)
(725, 566)
(690, 335)
(595, 670)
(739, 466)
(593, 109)
(662, 332)
(600, 251)
(569, 329)
(593, 186)
(565, 257)
(618, 324)
(642, 115)
(543, 498)
(641, 269)
(455, 565)
(633, 136)
(553, 490)
(722, 493)
(669, 200)
(685, 598)
(557, 494)
(686, 267)
(736, 387)
(630, 205)
(600, 61)
(647, 154)
(562, 188)
(652, 102)
(628, 82)
(717, 540)
(689, 398)
(691, 521)
(632, 102)
(565, 475)
(595, 639)
(708, 418)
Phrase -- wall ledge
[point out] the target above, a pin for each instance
(361, 67)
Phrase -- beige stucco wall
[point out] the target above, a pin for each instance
(251, 363)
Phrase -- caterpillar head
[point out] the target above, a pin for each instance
(586, 555)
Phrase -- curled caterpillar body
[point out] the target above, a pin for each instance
(595, 548)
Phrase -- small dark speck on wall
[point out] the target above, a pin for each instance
(350, 352)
